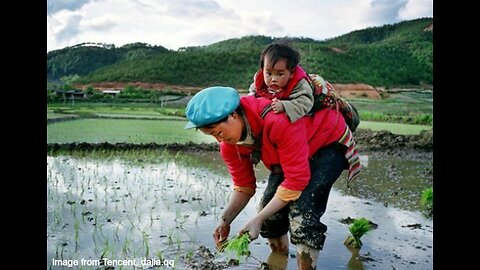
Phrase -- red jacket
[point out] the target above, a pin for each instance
(262, 89)
(282, 142)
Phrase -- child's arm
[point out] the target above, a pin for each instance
(300, 101)
(252, 90)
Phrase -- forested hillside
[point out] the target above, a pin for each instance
(84, 58)
(392, 55)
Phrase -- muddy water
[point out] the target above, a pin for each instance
(132, 209)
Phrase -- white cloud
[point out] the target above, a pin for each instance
(179, 23)
(54, 6)
(382, 11)
(63, 28)
(416, 9)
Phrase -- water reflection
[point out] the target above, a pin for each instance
(277, 261)
(355, 262)
(166, 206)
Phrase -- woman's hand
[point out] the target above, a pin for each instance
(221, 233)
(253, 227)
(237, 202)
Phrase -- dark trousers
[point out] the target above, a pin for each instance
(302, 217)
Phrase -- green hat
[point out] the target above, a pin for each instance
(211, 105)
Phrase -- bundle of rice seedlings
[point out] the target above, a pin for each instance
(427, 200)
(238, 245)
(358, 228)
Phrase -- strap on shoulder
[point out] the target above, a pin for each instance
(266, 110)
(256, 154)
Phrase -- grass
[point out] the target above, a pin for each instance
(407, 107)
(162, 131)
(111, 109)
(402, 129)
(398, 104)
(415, 119)
(127, 131)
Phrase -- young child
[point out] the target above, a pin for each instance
(281, 79)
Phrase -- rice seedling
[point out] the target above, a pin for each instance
(170, 237)
(107, 248)
(238, 245)
(135, 207)
(358, 228)
(159, 255)
(57, 217)
(76, 226)
(132, 225)
(116, 232)
(73, 208)
(180, 219)
(126, 245)
(146, 243)
(189, 254)
(178, 241)
(63, 244)
(426, 200)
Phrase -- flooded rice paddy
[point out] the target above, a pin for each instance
(157, 210)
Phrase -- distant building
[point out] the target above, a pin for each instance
(71, 94)
(112, 92)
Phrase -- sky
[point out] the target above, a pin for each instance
(182, 23)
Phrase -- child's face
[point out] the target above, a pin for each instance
(276, 77)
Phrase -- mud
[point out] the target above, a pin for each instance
(367, 140)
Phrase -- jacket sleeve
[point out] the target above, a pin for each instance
(252, 90)
(300, 101)
(291, 143)
(240, 167)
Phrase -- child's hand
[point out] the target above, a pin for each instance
(277, 106)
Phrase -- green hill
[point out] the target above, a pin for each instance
(391, 55)
(85, 58)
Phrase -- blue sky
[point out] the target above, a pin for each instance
(181, 23)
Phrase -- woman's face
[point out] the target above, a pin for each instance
(229, 131)
(276, 77)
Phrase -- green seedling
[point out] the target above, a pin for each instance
(426, 200)
(237, 245)
(358, 228)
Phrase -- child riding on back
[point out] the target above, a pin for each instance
(282, 80)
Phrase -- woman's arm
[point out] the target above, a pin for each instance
(300, 101)
(253, 226)
(237, 202)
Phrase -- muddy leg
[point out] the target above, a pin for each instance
(307, 257)
(277, 261)
(279, 244)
